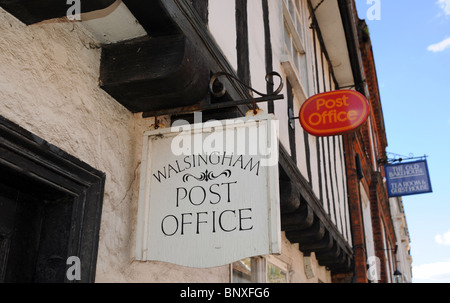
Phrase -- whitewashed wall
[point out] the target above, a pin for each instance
(222, 24)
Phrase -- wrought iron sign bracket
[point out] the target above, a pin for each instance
(217, 89)
(398, 158)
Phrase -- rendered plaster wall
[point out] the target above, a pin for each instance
(298, 263)
(49, 85)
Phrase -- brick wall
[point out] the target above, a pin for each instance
(360, 264)
(359, 142)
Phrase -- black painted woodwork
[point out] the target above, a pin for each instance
(186, 16)
(291, 127)
(289, 197)
(160, 71)
(242, 50)
(34, 11)
(201, 6)
(153, 17)
(268, 52)
(155, 73)
(307, 223)
(35, 233)
(57, 202)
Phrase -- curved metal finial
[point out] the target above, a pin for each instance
(214, 85)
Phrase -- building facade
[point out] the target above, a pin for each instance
(403, 248)
(76, 97)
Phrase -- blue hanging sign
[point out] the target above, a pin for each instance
(406, 179)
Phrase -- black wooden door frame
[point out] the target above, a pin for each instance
(32, 157)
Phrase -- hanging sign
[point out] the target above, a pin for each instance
(407, 178)
(209, 193)
(334, 113)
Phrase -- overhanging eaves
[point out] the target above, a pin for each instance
(334, 20)
(305, 221)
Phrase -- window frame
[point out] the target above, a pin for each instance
(295, 56)
(32, 157)
(259, 268)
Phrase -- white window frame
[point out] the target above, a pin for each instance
(259, 267)
(295, 50)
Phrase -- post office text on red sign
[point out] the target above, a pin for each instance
(334, 113)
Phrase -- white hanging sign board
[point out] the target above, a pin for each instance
(209, 193)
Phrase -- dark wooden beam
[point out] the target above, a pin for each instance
(289, 197)
(268, 50)
(34, 11)
(40, 164)
(322, 230)
(311, 234)
(299, 220)
(153, 17)
(325, 244)
(150, 74)
(242, 48)
(129, 71)
(193, 26)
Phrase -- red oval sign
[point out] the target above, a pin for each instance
(334, 113)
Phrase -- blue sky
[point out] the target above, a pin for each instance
(411, 44)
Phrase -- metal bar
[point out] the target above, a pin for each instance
(269, 76)
(204, 107)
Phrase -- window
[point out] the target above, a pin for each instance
(267, 269)
(277, 270)
(294, 51)
(242, 271)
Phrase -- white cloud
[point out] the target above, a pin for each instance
(443, 239)
(438, 272)
(445, 5)
(441, 46)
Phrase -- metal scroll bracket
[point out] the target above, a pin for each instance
(217, 89)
